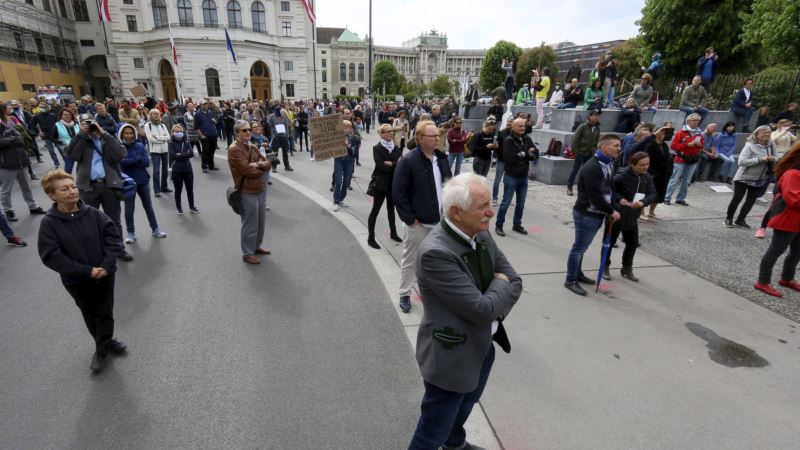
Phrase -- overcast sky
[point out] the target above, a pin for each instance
(475, 24)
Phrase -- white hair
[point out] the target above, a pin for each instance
(457, 192)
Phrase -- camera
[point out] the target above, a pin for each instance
(273, 159)
(668, 134)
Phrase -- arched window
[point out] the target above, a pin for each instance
(324, 76)
(361, 72)
(160, 18)
(342, 72)
(361, 92)
(259, 17)
(185, 13)
(212, 83)
(343, 91)
(210, 14)
(352, 72)
(234, 14)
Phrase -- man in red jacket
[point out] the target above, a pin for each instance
(687, 144)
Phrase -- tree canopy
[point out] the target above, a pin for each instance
(385, 74)
(492, 75)
(441, 86)
(630, 57)
(682, 29)
(535, 57)
(773, 25)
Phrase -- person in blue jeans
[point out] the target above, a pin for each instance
(12, 239)
(499, 168)
(343, 169)
(518, 152)
(135, 166)
(687, 144)
(592, 208)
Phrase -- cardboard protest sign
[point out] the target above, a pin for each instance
(139, 91)
(327, 136)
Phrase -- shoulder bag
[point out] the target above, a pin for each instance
(234, 194)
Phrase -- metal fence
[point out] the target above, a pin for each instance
(773, 91)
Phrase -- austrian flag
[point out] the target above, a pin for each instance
(174, 51)
(105, 16)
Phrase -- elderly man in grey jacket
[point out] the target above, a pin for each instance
(468, 287)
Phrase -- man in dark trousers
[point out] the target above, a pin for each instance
(468, 287)
(518, 152)
(471, 99)
(417, 194)
(98, 154)
(593, 206)
(206, 127)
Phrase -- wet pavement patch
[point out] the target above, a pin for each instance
(782, 341)
(726, 352)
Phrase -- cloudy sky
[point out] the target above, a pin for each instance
(480, 23)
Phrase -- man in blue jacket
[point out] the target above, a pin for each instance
(417, 194)
(207, 129)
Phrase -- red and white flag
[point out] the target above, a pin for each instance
(105, 16)
(174, 51)
(309, 10)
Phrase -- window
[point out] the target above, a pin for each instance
(234, 14)
(210, 14)
(80, 10)
(30, 2)
(352, 72)
(324, 63)
(132, 23)
(259, 17)
(343, 91)
(324, 76)
(212, 83)
(290, 90)
(284, 6)
(62, 6)
(287, 28)
(28, 87)
(127, 2)
(288, 66)
(324, 52)
(185, 18)
(138, 63)
(46, 6)
(160, 18)
(361, 72)
(87, 43)
(342, 72)
(3, 87)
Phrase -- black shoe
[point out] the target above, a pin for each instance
(125, 256)
(349, 188)
(331, 188)
(214, 168)
(371, 242)
(38, 210)
(205, 170)
(741, 224)
(289, 169)
(269, 183)
(728, 223)
(607, 274)
(158, 194)
(98, 363)
(34, 177)
(395, 237)
(166, 191)
(11, 216)
(575, 288)
(358, 163)
(499, 231)
(627, 272)
(667, 202)
(116, 347)
(682, 203)
(728, 180)
(519, 229)
(585, 280)
(405, 303)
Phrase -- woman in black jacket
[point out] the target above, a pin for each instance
(180, 151)
(655, 146)
(483, 143)
(633, 190)
(82, 244)
(386, 155)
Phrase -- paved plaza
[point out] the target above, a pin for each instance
(310, 350)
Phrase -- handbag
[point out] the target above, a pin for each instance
(372, 188)
(234, 194)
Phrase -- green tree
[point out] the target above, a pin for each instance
(441, 86)
(682, 29)
(630, 57)
(491, 73)
(542, 57)
(385, 75)
(774, 26)
(421, 89)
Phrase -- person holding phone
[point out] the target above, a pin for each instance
(660, 164)
(687, 144)
(755, 161)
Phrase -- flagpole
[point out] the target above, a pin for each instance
(314, 50)
(230, 80)
(174, 52)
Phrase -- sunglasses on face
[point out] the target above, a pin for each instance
(244, 130)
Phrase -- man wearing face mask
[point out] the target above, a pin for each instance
(98, 155)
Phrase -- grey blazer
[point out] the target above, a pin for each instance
(456, 329)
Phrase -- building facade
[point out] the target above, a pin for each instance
(586, 56)
(345, 70)
(39, 46)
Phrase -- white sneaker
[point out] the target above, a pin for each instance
(335, 207)
(157, 233)
(131, 238)
(763, 199)
(311, 158)
(344, 205)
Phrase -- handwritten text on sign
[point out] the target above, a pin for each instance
(327, 136)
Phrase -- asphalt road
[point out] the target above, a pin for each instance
(302, 351)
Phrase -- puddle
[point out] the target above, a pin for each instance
(726, 352)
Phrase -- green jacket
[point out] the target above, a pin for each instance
(584, 141)
(588, 98)
(523, 95)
